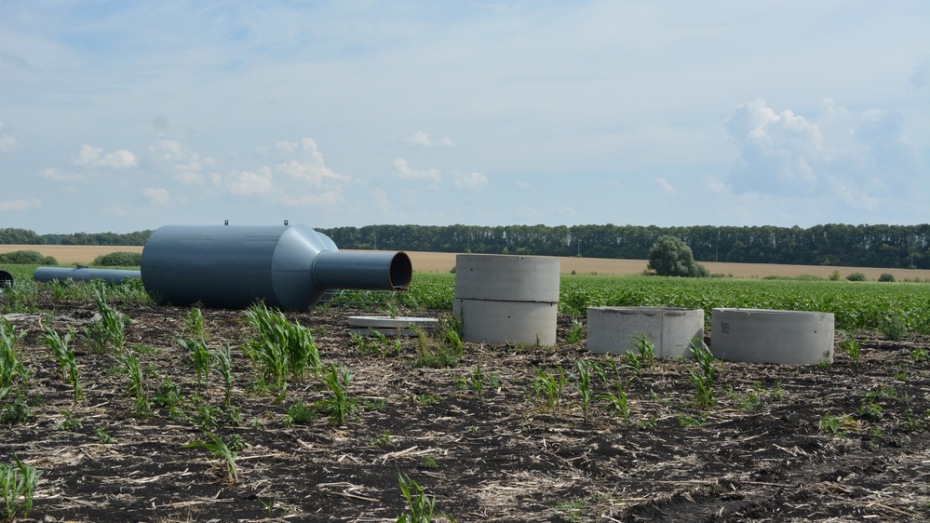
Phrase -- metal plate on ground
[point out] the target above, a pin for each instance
(391, 326)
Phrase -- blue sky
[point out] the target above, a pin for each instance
(122, 116)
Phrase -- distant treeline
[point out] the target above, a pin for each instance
(897, 246)
(854, 245)
(27, 237)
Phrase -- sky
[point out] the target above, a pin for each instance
(119, 116)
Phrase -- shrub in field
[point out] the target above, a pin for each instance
(27, 258)
(669, 256)
(886, 277)
(856, 276)
(119, 259)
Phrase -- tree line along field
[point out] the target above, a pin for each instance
(444, 262)
(489, 433)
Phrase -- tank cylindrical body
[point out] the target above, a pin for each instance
(6, 278)
(234, 266)
(111, 276)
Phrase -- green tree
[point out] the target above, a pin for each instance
(669, 256)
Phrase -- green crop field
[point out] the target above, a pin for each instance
(855, 305)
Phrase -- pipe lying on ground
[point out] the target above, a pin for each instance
(111, 276)
(6, 278)
(234, 266)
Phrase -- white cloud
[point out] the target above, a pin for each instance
(156, 196)
(842, 153)
(667, 187)
(421, 139)
(19, 205)
(470, 182)
(324, 199)
(247, 183)
(523, 185)
(175, 156)
(403, 171)
(93, 156)
(315, 172)
(61, 176)
(7, 142)
(306, 144)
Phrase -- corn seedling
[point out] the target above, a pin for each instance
(583, 384)
(340, 406)
(576, 333)
(281, 347)
(18, 486)
(136, 384)
(223, 359)
(383, 439)
(703, 380)
(645, 348)
(111, 329)
(10, 365)
(70, 423)
(429, 462)
(852, 348)
(617, 402)
(421, 506)
(548, 389)
(220, 451)
(66, 363)
(200, 356)
(102, 436)
(632, 361)
(194, 323)
(838, 425)
(475, 381)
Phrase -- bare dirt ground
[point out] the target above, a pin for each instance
(760, 455)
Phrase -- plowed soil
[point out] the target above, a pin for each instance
(761, 454)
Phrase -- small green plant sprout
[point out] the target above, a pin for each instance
(851, 347)
(583, 384)
(703, 380)
(340, 406)
(17, 486)
(920, 355)
(66, 363)
(70, 423)
(548, 389)
(223, 358)
(632, 361)
(220, 451)
(111, 329)
(200, 356)
(383, 439)
(838, 425)
(575, 334)
(645, 348)
(136, 384)
(194, 323)
(421, 506)
(475, 381)
(299, 413)
(685, 420)
(617, 403)
(101, 434)
(429, 462)
(11, 367)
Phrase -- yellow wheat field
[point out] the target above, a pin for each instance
(443, 262)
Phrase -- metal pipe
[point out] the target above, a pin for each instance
(111, 276)
(6, 278)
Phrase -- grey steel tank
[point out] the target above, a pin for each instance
(232, 266)
(229, 266)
